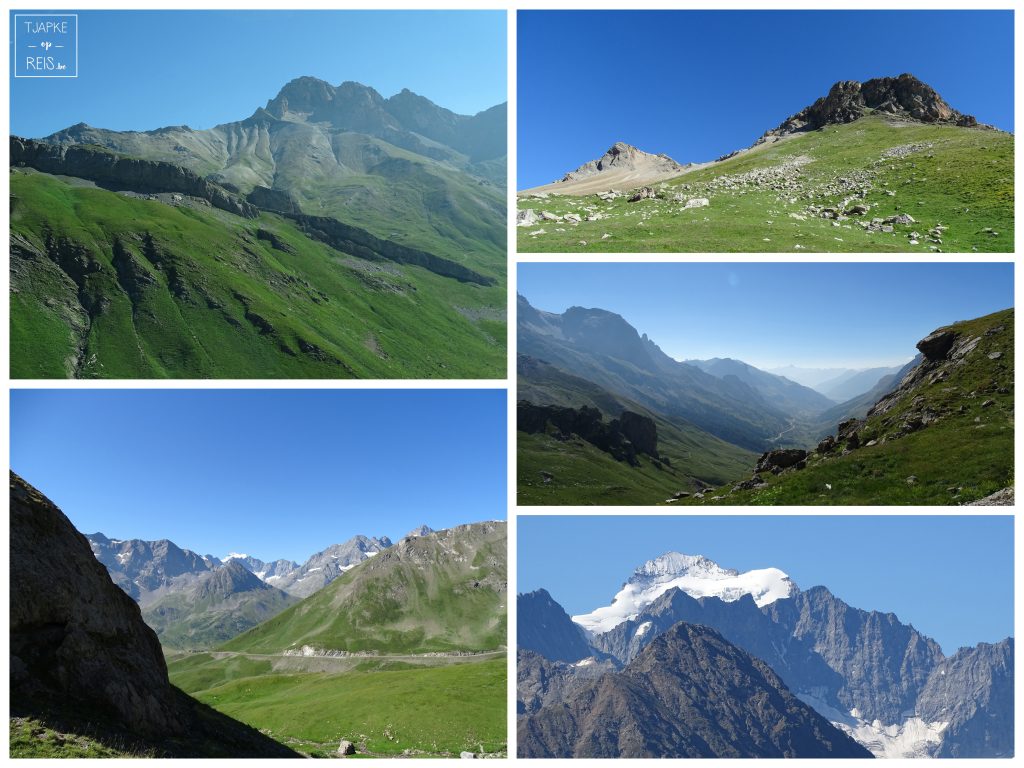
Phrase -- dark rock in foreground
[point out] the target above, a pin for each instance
(80, 651)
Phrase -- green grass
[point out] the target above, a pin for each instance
(213, 301)
(964, 181)
(961, 457)
(432, 710)
(34, 737)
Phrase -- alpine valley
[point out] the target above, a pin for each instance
(692, 659)
(606, 417)
(884, 165)
(369, 648)
(332, 233)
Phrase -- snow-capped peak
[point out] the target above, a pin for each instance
(695, 575)
(236, 556)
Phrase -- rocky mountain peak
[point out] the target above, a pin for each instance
(848, 100)
(415, 533)
(227, 580)
(623, 157)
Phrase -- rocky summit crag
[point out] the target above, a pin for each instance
(848, 100)
(83, 661)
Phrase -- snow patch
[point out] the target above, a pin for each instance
(695, 575)
(912, 738)
(584, 662)
(236, 556)
(642, 630)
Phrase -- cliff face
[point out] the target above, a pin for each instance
(108, 168)
(76, 637)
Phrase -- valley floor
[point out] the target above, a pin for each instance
(402, 706)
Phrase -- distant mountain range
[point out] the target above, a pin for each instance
(195, 601)
(708, 416)
(876, 679)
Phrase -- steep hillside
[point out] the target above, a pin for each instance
(88, 677)
(299, 243)
(944, 435)
(444, 592)
(690, 693)
(556, 468)
(884, 165)
(221, 605)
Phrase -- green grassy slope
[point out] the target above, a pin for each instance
(386, 708)
(104, 286)
(965, 454)
(439, 593)
(554, 472)
(961, 178)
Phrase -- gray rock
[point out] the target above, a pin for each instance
(346, 748)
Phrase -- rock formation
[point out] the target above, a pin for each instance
(624, 438)
(904, 96)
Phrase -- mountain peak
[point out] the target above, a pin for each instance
(695, 575)
(904, 96)
(415, 533)
(625, 159)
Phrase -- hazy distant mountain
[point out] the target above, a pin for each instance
(850, 385)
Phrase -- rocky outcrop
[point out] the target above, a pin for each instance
(904, 96)
(690, 693)
(359, 242)
(780, 459)
(624, 438)
(123, 173)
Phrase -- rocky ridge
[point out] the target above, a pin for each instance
(690, 693)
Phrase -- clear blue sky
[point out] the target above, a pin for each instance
(277, 473)
(949, 576)
(818, 315)
(698, 84)
(140, 70)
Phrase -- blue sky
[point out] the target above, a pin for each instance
(270, 473)
(949, 576)
(140, 70)
(698, 84)
(769, 315)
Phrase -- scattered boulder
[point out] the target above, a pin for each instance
(826, 445)
(526, 218)
(346, 748)
(780, 458)
(644, 193)
(467, 755)
(697, 202)
(572, 218)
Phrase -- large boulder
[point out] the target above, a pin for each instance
(936, 345)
